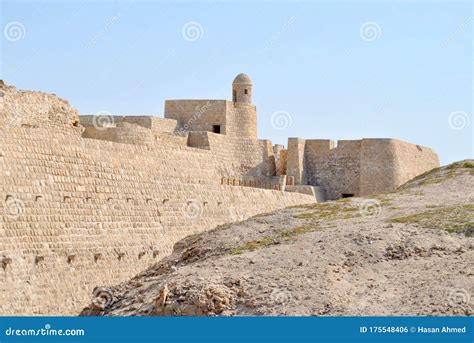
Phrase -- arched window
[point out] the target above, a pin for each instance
(246, 91)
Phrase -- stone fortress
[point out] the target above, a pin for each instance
(93, 200)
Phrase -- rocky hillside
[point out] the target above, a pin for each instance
(408, 252)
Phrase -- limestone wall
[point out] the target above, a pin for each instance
(121, 133)
(103, 121)
(197, 115)
(130, 129)
(241, 120)
(388, 163)
(280, 154)
(2, 108)
(237, 120)
(77, 213)
(356, 167)
(36, 110)
(295, 160)
(238, 157)
(336, 169)
(81, 211)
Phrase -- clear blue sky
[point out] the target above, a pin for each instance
(309, 59)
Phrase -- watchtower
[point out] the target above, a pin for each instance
(242, 89)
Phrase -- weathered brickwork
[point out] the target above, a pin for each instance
(197, 115)
(237, 120)
(80, 212)
(36, 110)
(104, 120)
(389, 163)
(241, 120)
(295, 166)
(92, 200)
(239, 157)
(337, 169)
(358, 167)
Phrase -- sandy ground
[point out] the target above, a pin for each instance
(408, 252)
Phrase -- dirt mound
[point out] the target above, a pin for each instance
(440, 174)
(408, 252)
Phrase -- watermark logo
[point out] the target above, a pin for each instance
(14, 31)
(182, 131)
(280, 297)
(459, 297)
(462, 28)
(106, 28)
(458, 120)
(192, 31)
(47, 330)
(370, 31)
(193, 209)
(103, 120)
(235, 215)
(274, 38)
(102, 297)
(281, 120)
(14, 207)
(370, 208)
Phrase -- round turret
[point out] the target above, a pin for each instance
(242, 89)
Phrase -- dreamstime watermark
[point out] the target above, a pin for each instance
(280, 297)
(182, 131)
(235, 215)
(281, 120)
(106, 28)
(192, 31)
(370, 208)
(192, 209)
(459, 297)
(103, 120)
(14, 31)
(45, 331)
(458, 31)
(14, 207)
(370, 31)
(274, 38)
(102, 298)
(458, 120)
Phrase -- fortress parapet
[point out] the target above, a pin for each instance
(229, 130)
(237, 118)
(357, 167)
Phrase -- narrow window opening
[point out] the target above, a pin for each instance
(216, 128)
(234, 96)
(246, 91)
(347, 195)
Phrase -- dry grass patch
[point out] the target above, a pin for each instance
(329, 211)
(254, 245)
(452, 219)
(440, 174)
(264, 242)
